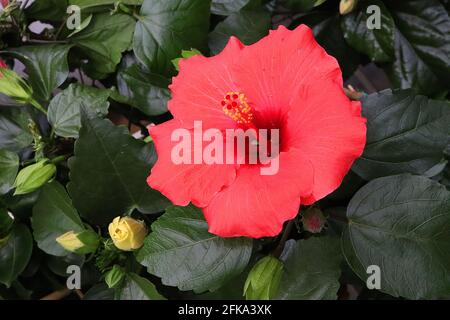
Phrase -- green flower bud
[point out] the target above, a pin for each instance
(114, 277)
(264, 279)
(347, 6)
(83, 242)
(34, 176)
(185, 54)
(12, 85)
(313, 220)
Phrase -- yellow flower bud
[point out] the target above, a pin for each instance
(347, 6)
(127, 233)
(82, 242)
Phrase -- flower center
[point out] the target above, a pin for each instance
(235, 105)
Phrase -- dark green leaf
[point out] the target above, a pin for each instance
(46, 66)
(15, 254)
(103, 42)
(168, 26)
(182, 252)
(14, 134)
(64, 109)
(51, 10)
(6, 222)
(137, 288)
(422, 50)
(85, 4)
(99, 292)
(302, 5)
(378, 44)
(248, 26)
(401, 224)
(226, 7)
(9, 166)
(108, 173)
(405, 133)
(312, 269)
(146, 92)
(54, 215)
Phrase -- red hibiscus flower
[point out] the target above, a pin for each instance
(4, 3)
(285, 81)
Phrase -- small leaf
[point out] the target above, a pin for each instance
(15, 254)
(108, 173)
(14, 134)
(248, 26)
(422, 53)
(405, 133)
(182, 252)
(401, 224)
(168, 26)
(137, 288)
(227, 7)
(9, 166)
(312, 269)
(64, 109)
(54, 215)
(378, 44)
(46, 67)
(144, 91)
(103, 42)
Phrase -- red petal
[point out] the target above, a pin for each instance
(200, 86)
(328, 128)
(271, 71)
(182, 183)
(256, 205)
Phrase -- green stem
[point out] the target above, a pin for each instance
(57, 159)
(37, 105)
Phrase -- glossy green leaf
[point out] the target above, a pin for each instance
(378, 44)
(137, 288)
(182, 252)
(47, 10)
(401, 224)
(64, 109)
(54, 215)
(108, 173)
(405, 133)
(227, 7)
(15, 254)
(248, 26)
(46, 66)
(103, 42)
(302, 5)
(9, 166)
(168, 26)
(312, 269)
(14, 133)
(85, 4)
(145, 91)
(422, 53)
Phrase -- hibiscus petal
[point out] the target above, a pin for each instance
(184, 183)
(256, 205)
(201, 85)
(328, 128)
(272, 70)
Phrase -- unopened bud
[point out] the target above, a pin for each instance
(34, 176)
(83, 242)
(347, 6)
(114, 277)
(313, 220)
(264, 279)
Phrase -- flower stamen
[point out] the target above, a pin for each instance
(235, 105)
